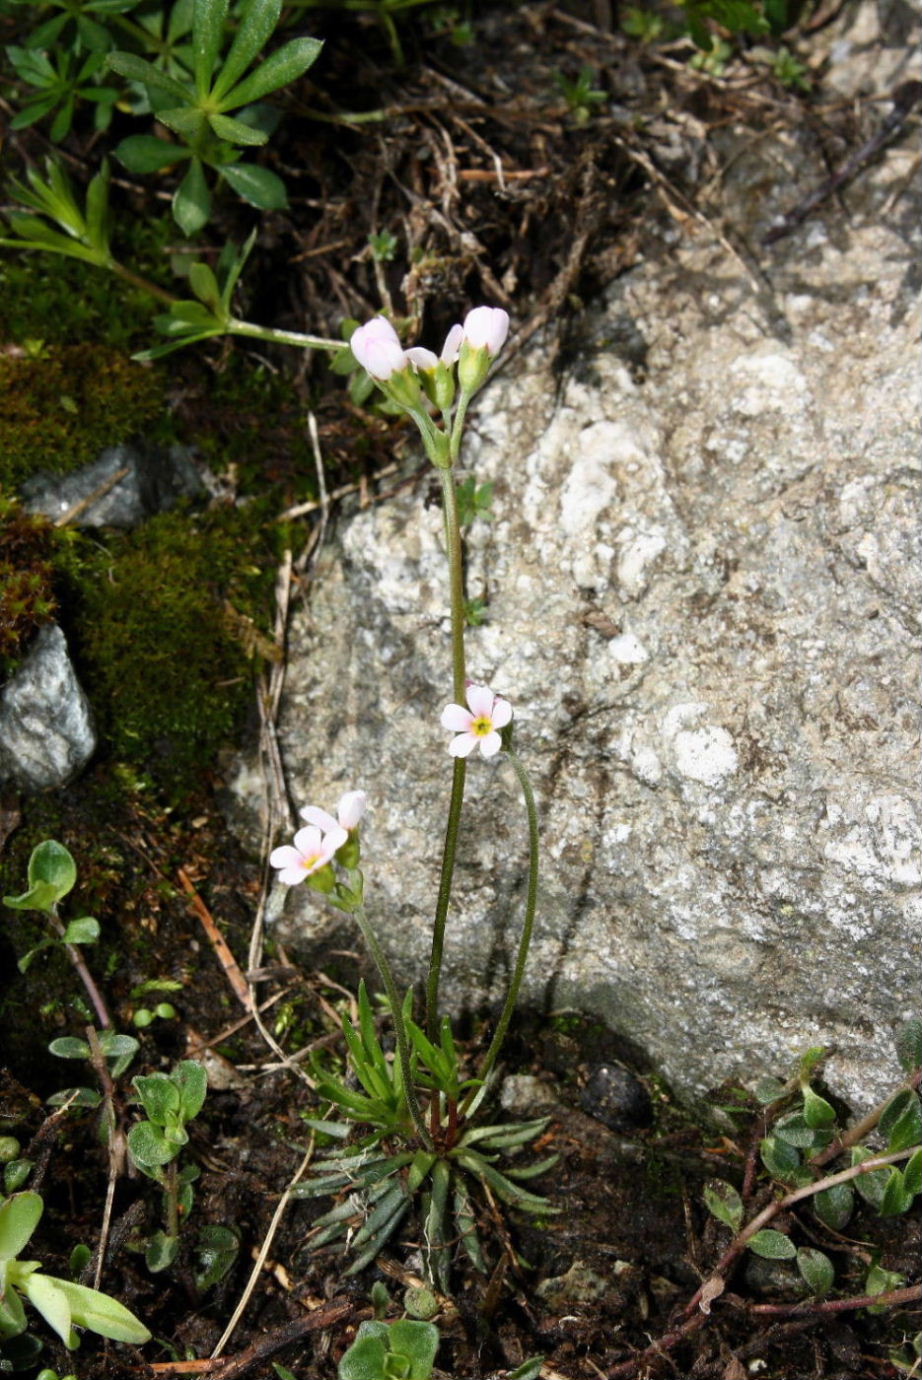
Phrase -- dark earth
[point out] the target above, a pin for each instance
(496, 185)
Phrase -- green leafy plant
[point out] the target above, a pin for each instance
(52, 875)
(447, 1178)
(403, 1350)
(59, 81)
(804, 1137)
(170, 1101)
(63, 1304)
(581, 95)
(198, 110)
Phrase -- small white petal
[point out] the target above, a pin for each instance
(309, 840)
(351, 808)
(491, 744)
(455, 718)
(321, 818)
(292, 876)
(480, 698)
(422, 359)
(463, 745)
(502, 712)
(452, 347)
(286, 856)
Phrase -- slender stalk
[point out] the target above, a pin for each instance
(446, 876)
(145, 284)
(171, 1193)
(403, 1048)
(305, 342)
(444, 897)
(531, 901)
(86, 977)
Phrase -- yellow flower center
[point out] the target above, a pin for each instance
(482, 727)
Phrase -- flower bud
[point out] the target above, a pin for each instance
(485, 331)
(377, 348)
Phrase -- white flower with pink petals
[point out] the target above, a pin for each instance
(311, 850)
(478, 725)
(348, 813)
(422, 358)
(377, 347)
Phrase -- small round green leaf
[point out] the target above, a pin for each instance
(722, 1200)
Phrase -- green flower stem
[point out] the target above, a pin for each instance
(444, 897)
(304, 342)
(459, 680)
(403, 1048)
(531, 901)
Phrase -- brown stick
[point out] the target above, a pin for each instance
(230, 1367)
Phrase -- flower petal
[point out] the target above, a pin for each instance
(502, 712)
(321, 818)
(487, 326)
(490, 745)
(456, 718)
(309, 841)
(421, 358)
(351, 808)
(463, 745)
(480, 698)
(286, 856)
(452, 347)
(292, 876)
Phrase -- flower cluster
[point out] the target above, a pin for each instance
(377, 347)
(315, 846)
(477, 725)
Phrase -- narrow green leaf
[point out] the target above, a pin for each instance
(772, 1245)
(209, 17)
(236, 132)
(188, 124)
(284, 66)
(146, 74)
(145, 153)
(256, 27)
(102, 1314)
(258, 186)
(97, 209)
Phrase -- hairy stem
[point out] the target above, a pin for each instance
(86, 977)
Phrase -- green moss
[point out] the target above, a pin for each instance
(51, 298)
(26, 578)
(165, 621)
(64, 406)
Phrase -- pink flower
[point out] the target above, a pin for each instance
(377, 348)
(311, 850)
(479, 724)
(348, 813)
(486, 327)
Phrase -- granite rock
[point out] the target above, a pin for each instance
(46, 724)
(702, 577)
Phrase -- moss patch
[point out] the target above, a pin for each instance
(63, 407)
(26, 578)
(167, 620)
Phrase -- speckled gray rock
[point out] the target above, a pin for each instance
(703, 587)
(123, 487)
(46, 725)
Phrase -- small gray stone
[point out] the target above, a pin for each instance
(616, 1098)
(152, 482)
(46, 724)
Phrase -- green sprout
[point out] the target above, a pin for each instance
(62, 1304)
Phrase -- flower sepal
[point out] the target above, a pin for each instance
(323, 880)
(350, 892)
